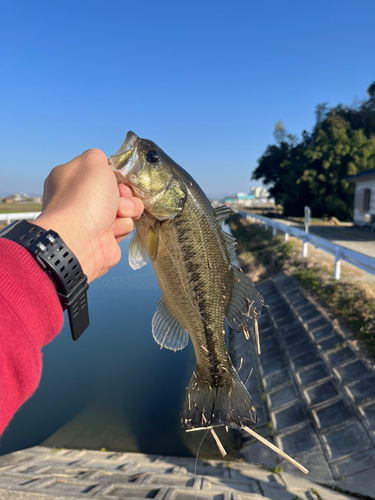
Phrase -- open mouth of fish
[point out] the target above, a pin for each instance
(124, 160)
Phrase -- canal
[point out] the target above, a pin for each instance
(114, 388)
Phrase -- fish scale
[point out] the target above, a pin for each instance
(194, 279)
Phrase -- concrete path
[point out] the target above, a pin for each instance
(40, 473)
(350, 237)
(315, 393)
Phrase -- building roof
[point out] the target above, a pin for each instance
(241, 196)
(363, 176)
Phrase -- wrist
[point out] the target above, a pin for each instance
(62, 224)
(59, 261)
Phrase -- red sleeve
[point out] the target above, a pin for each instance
(30, 316)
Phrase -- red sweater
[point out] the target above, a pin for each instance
(30, 316)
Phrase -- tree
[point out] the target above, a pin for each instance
(313, 171)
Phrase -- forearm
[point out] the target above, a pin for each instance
(92, 214)
(30, 316)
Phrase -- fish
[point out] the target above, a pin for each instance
(194, 262)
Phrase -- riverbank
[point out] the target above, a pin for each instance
(350, 300)
(313, 388)
(10, 208)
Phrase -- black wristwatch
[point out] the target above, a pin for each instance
(61, 264)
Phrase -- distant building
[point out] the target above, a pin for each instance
(22, 197)
(258, 197)
(364, 198)
(262, 196)
(229, 201)
(245, 200)
(13, 198)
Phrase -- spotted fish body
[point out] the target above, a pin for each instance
(193, 261)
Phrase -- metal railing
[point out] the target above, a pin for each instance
(340, 253)
(20, 215)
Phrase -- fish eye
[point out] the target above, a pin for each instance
(152, 156)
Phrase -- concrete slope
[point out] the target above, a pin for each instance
(315, 393)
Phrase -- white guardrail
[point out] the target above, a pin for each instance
(21, 215)
(340, 253)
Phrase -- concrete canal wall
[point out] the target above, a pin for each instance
(41, 473)
(314, 389)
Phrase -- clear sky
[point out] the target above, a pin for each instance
(206, 80)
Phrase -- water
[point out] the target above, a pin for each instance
(113, 388)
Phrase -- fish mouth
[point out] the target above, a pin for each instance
(120, 160)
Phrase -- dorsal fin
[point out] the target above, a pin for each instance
(230, 244)
(222, 213)
(245, 303)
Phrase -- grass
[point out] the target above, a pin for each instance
(262, 255)
(347, 301)
(10, 208)
(277, 469)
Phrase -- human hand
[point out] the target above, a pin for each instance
(84, 205)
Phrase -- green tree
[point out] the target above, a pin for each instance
(313, 171)
(336, 152)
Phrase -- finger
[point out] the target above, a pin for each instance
(122, 227)
(94, 151)
(120, 238)
(125, 191)
(130, 207)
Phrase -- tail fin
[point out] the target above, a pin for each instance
(228, 405)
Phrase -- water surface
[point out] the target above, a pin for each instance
(114, 387)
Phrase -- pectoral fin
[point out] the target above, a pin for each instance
(137, 254)
(167, 330)
(153, 241)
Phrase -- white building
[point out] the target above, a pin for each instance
(364, 198)
(258, 197)
(244, 199)
(261, 196)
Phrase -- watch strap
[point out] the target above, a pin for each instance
(61, 264)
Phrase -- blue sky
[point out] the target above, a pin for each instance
(206, 80)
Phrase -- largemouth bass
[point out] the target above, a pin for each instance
(193, 259)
